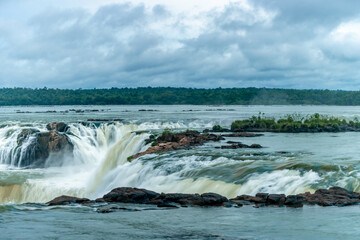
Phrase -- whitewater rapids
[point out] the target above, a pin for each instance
(99, 164)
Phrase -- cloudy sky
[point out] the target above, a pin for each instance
(187, 43)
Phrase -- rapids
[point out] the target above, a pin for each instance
(289, 163)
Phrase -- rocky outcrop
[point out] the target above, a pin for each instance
(66, 200)
(239, 145)
(57, 126)
(143, 196)
(176, 141)
(52, 142)
(334, 196)
(35, 147)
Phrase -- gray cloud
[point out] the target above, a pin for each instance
(275, 43)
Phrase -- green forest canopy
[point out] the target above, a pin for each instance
(171, 96)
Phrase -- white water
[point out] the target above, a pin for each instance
(100, 164)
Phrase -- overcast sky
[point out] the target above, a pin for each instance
(187, 43)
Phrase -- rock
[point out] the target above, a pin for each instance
(176, 141)
(246, 199)
(51, 143)
(65, 200)
(130, 195)
(24, 134)
(143, 196)
(255, 146)
(294, 201)
(57, 126)
(240, 145)
(39, 146)
(213, 199)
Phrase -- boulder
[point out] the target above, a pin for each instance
(57, 126)
(143, 196)
(35, 147)
(66, 200)
(51, 143)
(130, 195)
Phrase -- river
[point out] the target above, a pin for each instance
(288, 163)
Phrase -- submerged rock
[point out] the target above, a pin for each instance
(66, 200)
(240, 145)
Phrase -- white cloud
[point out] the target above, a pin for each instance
(273, 43)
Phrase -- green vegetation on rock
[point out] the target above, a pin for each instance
(296, 123)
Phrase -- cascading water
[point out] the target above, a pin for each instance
(99, 163)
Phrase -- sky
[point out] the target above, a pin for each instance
(189, 43)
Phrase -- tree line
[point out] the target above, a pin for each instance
(172, 96)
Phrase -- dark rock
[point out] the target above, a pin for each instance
(51, 143)
(255, 146)
(240, 145)
(142, 196)
(276, 199)
(248, 198)
(40, 146)
(176, 141)
(213, 199)
(294, 201)
(233, 146)
(57, 126)
(167, 205)
(263, 196)
(24, 134)
(65, 200)
(97, 120)
(130, 195)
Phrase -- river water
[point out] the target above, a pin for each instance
(288, 163)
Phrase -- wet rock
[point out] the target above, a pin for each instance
(97, 120)
(255, 146)
(247, 199)
(51, 143)
(276, 199)
(143, 196)
(66, 200)
(240, 145)
(24, 134)
(334, 196)
(57, 126)
(112, 208)
(130, 195)
(176, 141)
(294, 201)
(35, 147)
(167, 205)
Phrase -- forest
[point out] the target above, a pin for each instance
(172, 96)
